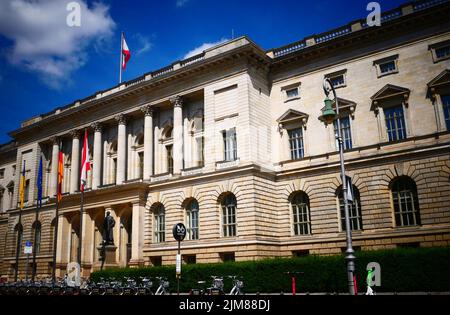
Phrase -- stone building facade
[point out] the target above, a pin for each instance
(230, 143)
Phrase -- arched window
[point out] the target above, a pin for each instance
(192, 220)
(229, 215)
(18, 237)
(36, 227)
(159, 224)
(354, 210)
(406, 202)
(301, 214)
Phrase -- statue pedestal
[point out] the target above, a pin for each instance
(109, 256)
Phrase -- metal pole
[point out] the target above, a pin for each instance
(55, 240)
(26, 268)
(349, 253)
(19, 240)
(33, 271)
(178, 275)
(80, 230)
(121, 58)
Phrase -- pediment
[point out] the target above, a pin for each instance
(442, 79)
(389, 91)
(441, 83)
(292, 115)
(344, 104)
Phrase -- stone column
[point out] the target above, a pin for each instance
(75, 170)
(148, 142)
(177, 134)
(54, 173)
(137, 234)
(97, 157)
(121, 149)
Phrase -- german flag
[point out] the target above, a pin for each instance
(60, 173)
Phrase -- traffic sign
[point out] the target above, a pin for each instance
(179, 232)
(28, 249)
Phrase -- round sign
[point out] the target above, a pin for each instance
(179, 232)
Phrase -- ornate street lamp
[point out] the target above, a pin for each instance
(329, 116)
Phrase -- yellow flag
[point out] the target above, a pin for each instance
(22, 187)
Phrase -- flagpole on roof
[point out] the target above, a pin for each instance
(38, 205)
(121, 58)
(58, 196)
(19, 225)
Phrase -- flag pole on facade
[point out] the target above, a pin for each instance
(125, 55)
(85, 167)
(121, 58)
(19, 225)
(58, 199)
(38, 205)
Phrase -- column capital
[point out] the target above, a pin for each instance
(147, 110)
(55, 140)
(75, 134)
(177, 101)
(121, 119)
(97, 126)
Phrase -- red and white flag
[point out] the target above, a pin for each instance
(126, 54)
(85, 164)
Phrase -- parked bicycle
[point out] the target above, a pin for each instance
(237, 286)
(163, 286)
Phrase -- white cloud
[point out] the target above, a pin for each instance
(43, 43)
(181, 3)
(203, 47)
(144, 42)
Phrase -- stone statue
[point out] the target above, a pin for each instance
(108, 225)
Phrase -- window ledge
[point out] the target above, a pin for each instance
(387, 73)
(227, 164)
(292, 99)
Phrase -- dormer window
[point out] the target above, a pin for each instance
(386, 66)
(338, 78)
(440, 51)
(291, 92)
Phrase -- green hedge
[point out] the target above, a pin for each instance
(402, 270)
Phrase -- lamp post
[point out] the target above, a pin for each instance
(329, 116)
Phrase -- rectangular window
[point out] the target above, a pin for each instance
(296, 143)
(338, 81)
(446, 105)
(2, 173)
(230, 145)
(227, 257)
(388, 67)
(190, 259)
(192, 221)
(160, 235)
(395, 123)
(141, 165)
(346, 132)
(169, 149)
(302, 223)
(156, 260)
(229, 221)
(443, 52)
(292, 93)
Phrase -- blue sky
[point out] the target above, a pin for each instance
(45, 64)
